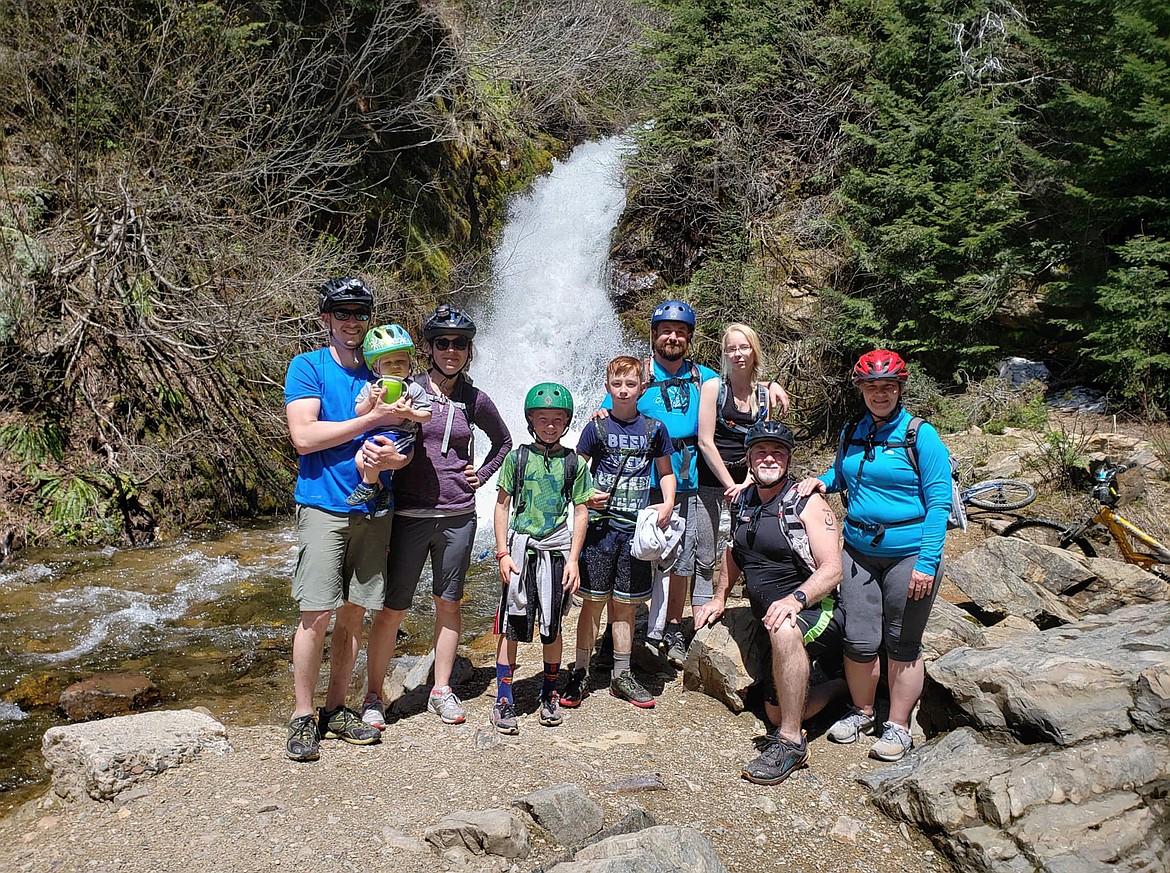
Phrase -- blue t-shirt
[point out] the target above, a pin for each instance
(884, 489)
(622, 466)
(676, 406)
(327, 477)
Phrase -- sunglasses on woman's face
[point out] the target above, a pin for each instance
(459, 343)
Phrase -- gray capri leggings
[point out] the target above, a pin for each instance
(877, 610)
(446, 540)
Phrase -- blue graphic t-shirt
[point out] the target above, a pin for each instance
(622, 465)
(327, 477)
(676, 405)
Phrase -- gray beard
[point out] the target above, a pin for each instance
(767, 480)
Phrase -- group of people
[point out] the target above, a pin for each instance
(631, 515)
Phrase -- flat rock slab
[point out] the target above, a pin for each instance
(107, 694)
(654, 850)
(103, 758)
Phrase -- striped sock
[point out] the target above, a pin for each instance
(504, 682)
(551, 672)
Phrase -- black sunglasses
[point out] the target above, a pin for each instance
(460, 343)
(347, 314)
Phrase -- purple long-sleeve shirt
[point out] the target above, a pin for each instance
(434, 482)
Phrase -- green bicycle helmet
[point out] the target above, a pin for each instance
(385, 339)
(549, 395)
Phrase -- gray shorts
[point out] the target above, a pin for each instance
(341, 557)
(877, 609)
(446, 540)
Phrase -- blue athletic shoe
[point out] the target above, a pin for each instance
(779, 760)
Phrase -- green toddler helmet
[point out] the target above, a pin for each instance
(549, 395)
(386, 339)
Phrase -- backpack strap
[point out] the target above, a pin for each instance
(910, 442)
(518, 479)
(664, 385)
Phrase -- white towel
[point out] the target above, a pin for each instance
(559, 539)
(652, 543)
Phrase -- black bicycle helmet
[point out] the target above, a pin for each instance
(345, 291)
(770, 431)
(447, 320)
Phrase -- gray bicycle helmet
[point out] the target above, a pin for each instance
(770, 431)
(447, 320)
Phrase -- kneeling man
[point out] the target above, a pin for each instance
(786, 547)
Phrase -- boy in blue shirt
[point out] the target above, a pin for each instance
(622, 450)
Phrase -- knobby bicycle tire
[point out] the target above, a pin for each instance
(999, 495)
(1048, 532)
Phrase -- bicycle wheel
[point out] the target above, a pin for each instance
(999, 495)
(1047, 532)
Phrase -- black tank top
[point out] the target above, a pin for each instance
(761, 549)
(728, 443)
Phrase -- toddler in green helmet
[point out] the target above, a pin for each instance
(388, 350)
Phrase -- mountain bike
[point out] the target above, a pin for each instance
(998, 495)
(1136, 546)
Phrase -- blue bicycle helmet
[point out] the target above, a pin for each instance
(673, 310)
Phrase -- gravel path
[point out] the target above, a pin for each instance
(365, 808)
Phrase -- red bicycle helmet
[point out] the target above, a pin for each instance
(880, 364)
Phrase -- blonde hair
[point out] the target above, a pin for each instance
(753, 340)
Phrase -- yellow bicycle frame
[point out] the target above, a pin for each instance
(1124, 532)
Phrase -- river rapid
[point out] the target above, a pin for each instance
(208, 617)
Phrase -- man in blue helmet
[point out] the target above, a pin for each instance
(672, 386)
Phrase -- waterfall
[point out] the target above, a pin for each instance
(549, 317)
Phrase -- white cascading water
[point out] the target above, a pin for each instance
(550, 318)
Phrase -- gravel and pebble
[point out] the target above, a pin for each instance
(366, 808)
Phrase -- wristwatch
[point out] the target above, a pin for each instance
(799, 595)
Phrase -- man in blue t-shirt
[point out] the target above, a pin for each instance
(341, 557)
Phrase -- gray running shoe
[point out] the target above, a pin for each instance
(303, 743)
(447, 706)
(504, 717)
(345, 724)
(850, 726)
(626, 687)
(779, 760)
(361, 494)
(550, 710)
(893, 744)
(374, 711)
(676, 644)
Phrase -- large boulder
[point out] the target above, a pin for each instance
(654, 850)
(726, 659)
(1062, 686)
(1010, 576)
(102, 758)
(1058, 756)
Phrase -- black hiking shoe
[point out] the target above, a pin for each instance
(675, 643)
(345, 724)
(303, 743)
(626, 687)
(361, 494)
(574, 691)
(779, 760)
(604, 657)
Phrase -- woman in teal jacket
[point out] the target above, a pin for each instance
(895, 525)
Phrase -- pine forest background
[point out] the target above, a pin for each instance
(960, 181)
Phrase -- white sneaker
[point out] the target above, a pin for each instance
(850, 726)
(374, 711)
(447, 706)
(895, 742)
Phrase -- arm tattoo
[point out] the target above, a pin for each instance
(830, 520)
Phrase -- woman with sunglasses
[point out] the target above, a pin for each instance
(434, 514)
(895, 525)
